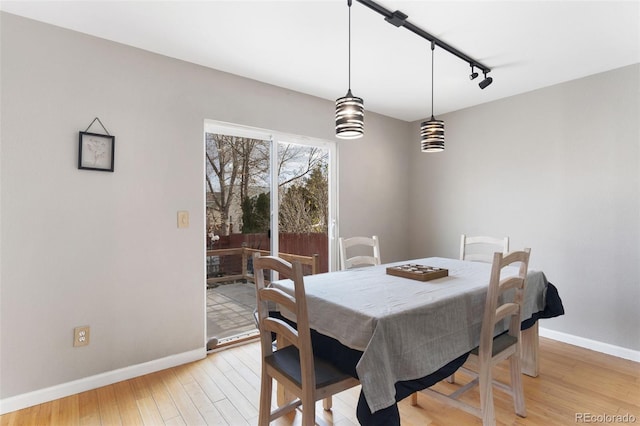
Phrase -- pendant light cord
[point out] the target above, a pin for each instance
(433, 46)
(349, 3)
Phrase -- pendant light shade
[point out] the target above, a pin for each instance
(432, 135)
(349, 117)
(432, 130)
(349, 108)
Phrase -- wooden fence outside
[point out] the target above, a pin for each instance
(229, 258)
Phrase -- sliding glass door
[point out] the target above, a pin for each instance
(266, 192)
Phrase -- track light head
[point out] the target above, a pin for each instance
(473, 74)
(486, 82)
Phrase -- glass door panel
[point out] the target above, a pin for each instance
(303, 202)
(237, 218)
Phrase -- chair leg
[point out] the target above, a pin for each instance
(517, 389)
(414, 399)
(308, 416)
(308, 408)
(266, 389)
(451, 378)
(485, 384)
(327, 403)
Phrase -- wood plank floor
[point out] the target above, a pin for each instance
(223, 389)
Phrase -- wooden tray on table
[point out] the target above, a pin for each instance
(418, 272)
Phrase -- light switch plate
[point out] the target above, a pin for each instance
(183, 219)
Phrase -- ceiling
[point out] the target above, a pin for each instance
(302, 45)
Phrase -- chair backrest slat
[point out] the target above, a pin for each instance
(278, 296)
(281, 328)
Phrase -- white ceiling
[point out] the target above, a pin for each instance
(302, 45)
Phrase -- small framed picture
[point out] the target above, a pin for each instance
(96, 152)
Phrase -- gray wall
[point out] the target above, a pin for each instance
(557, 170)
(102, 249)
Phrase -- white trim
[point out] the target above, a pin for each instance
(222, 127)
(41, 396)
(594, 345)
(333, 207)
(274, 220)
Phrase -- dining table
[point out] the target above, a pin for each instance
(403, 328)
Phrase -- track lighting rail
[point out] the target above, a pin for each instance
(399, 19)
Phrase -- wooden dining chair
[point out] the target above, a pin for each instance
(482, 248)
(293, 364)
(494, 349)
(357, 245)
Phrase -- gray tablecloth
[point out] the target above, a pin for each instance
(406, 329)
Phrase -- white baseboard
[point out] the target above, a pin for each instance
(594, 345)
(19, 402)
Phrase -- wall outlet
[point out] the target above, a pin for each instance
(81, 336)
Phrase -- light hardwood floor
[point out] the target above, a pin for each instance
(223, 389)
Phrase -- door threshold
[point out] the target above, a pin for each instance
(215, 344)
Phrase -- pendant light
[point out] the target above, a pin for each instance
(432, 130)
(349, 108)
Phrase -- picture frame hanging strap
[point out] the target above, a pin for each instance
(94, 120)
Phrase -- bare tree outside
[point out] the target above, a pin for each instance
(304, 205)
(303, 189)
(237, 173)
(234, 165)
(297, 161)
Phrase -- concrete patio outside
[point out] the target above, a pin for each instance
(230, 311)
